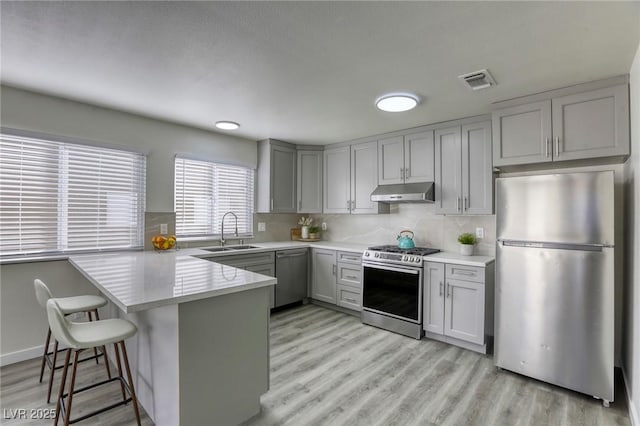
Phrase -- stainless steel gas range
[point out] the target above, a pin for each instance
(392, 288)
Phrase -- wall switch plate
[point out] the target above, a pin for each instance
(262, 226)
(324, 226)
(480, 232)
(164, 228)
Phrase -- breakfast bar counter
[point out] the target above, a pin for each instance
(201, 354)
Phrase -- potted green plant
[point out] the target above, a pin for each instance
(305, 223)
(467, 241)
(314, 232)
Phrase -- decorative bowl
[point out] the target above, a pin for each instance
(162, 242)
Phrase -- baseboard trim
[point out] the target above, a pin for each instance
(23, 355)
(633, 414)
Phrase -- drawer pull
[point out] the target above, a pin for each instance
(463, 272)
(351, 300)
(351, 277)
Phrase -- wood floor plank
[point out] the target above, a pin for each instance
(327, 368)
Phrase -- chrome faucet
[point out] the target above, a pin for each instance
(222, 240)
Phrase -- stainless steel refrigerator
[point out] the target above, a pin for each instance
(555, 279)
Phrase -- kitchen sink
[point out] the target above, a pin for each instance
(241, 247)
(217, 249)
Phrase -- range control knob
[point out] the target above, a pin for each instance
(411, 259)
(377, 254)
(366, 254)
(404, 258)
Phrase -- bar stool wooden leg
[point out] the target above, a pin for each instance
(115, 349)
(71, 386)
(44, 356)
(134, 398)
(95, 350)
(106, 361)
(53, 369)
(62, 383)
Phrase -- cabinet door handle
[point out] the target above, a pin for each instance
(401, 173)
(440, 293)
(407, 174)
(353, 205)
(334, 269)
(448, 290)
(299, 204)
(457, 203)
(546, 147)
(466, 203)
(557, 146)
(272, 204)
(351, 277)
(351, 300)
(348, 204)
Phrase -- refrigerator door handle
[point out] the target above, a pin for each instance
(557, 246)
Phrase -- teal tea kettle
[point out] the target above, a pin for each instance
(404, 241)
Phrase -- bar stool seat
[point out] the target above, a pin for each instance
(68, 305)
(81, 336)
(73, 304)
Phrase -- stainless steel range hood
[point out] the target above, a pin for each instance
(404, 193)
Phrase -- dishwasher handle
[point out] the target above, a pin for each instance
(283, 254)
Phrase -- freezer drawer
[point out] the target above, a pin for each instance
(555, 316)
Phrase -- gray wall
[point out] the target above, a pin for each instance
(23, 322)
(631, 365)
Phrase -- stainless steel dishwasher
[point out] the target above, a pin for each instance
(291, 272)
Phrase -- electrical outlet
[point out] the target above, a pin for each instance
(480, 232)
(164, 228)
(324, 226)
(262, 226)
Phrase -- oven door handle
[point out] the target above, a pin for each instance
(390, 268)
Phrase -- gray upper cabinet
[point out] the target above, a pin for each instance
(522, 134)
(350, 176)
(448, 171)
(309, 181)
(391, 160)
(463, 172)
(406, 159)
(277, 175)
(591, 124)
(364, 177)
(477, 169)
(566, 126)
(337, 180)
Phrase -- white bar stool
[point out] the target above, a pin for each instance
(68, 305)
(79, 336)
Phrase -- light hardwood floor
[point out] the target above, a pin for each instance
(329, 369)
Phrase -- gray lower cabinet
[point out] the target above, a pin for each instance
(463, 169)
(309, 181)
(455, 307)
(337, 278)
(261, 263)
(323, 275)
(575, 126)
(349, 280)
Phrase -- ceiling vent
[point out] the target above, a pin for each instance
(478, 80)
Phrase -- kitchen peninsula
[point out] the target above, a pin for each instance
(201, 355)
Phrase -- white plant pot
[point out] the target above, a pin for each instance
(466, 249)
(305, 232)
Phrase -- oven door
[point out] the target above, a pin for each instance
(394, 291)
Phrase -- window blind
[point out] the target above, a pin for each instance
(58, 197)
(205, 191)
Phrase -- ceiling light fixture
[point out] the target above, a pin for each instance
(397, 102)
(227, 125)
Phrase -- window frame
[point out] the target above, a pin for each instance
(249, 211)
(64, 224)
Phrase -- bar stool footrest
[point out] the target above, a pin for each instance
(63, 413)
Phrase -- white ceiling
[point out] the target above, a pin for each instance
(308, 72)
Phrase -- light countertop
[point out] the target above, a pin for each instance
(459, 259)
(137, 281)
